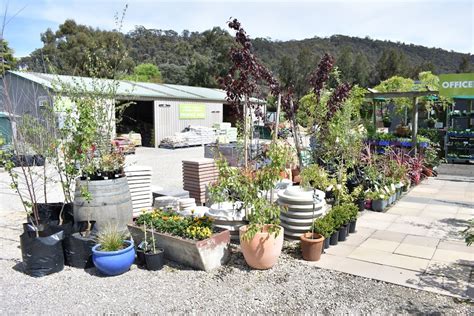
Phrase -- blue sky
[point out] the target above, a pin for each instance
(446, 24)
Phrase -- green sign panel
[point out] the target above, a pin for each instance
(453, 85)
(192, 111)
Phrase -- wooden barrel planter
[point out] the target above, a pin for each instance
(298, 217)
(111, 203)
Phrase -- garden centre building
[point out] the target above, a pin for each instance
(157, 110)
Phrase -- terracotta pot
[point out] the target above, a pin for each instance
(283, 175)
(428, 171)
(295, 173)
(311, 248)
(263, 250)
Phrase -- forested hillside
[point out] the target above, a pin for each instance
(199, 58)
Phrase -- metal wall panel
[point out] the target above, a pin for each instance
(167, 121)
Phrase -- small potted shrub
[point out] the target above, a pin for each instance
(261, 240)
(379, 200)
(341, 220)
(358, 196)
(387, 121)
(353, 211)
(324, 226)
(113, 255)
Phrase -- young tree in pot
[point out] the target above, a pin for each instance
(261, 240)
(41, 244)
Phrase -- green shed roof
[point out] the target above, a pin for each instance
(127, 89)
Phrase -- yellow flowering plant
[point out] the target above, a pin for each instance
(196, 228)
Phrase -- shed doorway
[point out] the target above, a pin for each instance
(136, 117)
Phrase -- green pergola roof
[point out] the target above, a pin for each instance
(465, 97)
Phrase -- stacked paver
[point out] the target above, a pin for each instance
(197, 175)
(139, 183)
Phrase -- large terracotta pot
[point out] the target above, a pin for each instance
(263, 250)
(311, 248)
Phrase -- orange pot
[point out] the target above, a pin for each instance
(312, 248)
(428, 171)
(295, 173)
(263, 250)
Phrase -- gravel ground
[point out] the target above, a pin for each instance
(292, 286)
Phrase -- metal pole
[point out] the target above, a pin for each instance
(246, 153)
(277, 120)
(414, 123)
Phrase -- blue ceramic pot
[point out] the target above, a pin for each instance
(114, 262)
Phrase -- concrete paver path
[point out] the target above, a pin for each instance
(417, 242)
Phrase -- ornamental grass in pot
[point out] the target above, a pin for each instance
(113, 254)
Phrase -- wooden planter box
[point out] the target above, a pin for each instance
(204, 254)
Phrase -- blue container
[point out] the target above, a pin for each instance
(114, 262)
(384, 143)
(423, 144)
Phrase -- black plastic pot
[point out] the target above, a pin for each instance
(325, 245)
(78, 246)
(154, 261)
(361, 205)
(38, 160)
(352, 226)
(343, 230)
(51, 211)
(78, 251)
(42, 255)
(334, 238)
(140, 260)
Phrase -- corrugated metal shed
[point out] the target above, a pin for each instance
(127, 89)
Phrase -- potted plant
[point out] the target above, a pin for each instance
(261, 240)
(312, 244)
(190, 241)
(316, 176)
(358, 197)
(430, 122)
(325, 227)
(353, 211)
(148, 253)
(340, 217)
(379, 200)
(113, 254)
(40, 242)
(387, 121)
(101, 188)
